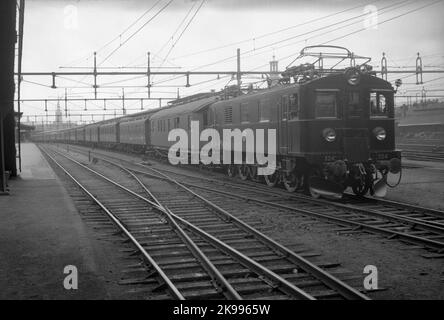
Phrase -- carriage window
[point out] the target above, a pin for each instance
(378, 104)
(354, 107)
(176, 122)
(189, 122)
(325, 105)
(244, 112)
(264, 110)
(294, 107)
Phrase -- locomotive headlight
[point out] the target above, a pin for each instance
(353, 76)
(379, 133)
(329, 134)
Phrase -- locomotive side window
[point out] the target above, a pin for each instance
(284, 114)
(293, 107)
(378, 105)
(264, 110)
(244, 112)
(354, 106)
(326, 104)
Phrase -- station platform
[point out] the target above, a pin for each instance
(41, 232)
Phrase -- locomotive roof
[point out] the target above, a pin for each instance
(184, 108)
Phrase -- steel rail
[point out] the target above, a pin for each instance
(216, 276)
(280, 282)
(406, 237)
(253, 265)
(426, 225)
(410, 238)
(332, 282)
(392, 217)
(175, 292)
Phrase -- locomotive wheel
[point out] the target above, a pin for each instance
(272, 179)
(291, 181)
(360, 188)
(253, 173)
(231, 171)
(243, 171)
(314, 194)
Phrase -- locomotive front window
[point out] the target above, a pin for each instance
(325, 105)
(378, 104)
(354, 107)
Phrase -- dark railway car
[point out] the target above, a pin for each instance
(109, 133)
(179, 116)
(92, 134)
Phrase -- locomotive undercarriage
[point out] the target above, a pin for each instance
(330, 179)
(327, 179)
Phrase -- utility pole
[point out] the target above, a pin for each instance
(238, 73)
(7, 117)
(149, 74)
(19, 78)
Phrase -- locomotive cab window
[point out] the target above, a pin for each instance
(379, 104)
(354, 106)
(326, 104)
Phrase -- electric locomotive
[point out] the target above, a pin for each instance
(335, 126)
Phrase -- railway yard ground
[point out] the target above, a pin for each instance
(109, 268)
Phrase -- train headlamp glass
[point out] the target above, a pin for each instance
(329, 134)
(379, 133)
(353, 76)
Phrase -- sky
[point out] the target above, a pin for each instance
(187, 35)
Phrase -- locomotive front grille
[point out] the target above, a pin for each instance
(356, 149)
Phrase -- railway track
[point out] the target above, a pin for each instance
(422, 151)
(408, 223)
(193, 247)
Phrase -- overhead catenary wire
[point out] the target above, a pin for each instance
(270, 45)
(272, 33)
(136, 32)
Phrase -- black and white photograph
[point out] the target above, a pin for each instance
(194, 153)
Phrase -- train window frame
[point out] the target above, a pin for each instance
(293, 107)
(285, 105)
(378, 92)
(244, 113)
(262, 106)
(362, 110)
(326, 91)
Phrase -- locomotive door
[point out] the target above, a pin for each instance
(283, 125)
